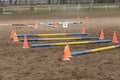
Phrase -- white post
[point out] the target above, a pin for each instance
(91, 6)
(49, 9)
(78, 8)
(118, 7)
(81, 7)
(3, 10)
(64, 8)
(105, 6)
(35, 9)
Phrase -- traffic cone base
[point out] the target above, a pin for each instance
(115, 41)
(66, 59)
(25, 47)
(70, 56)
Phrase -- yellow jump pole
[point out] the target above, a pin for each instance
(94, 50)
(50, 39)
(70, 43)
(55, 34)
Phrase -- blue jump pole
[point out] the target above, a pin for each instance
(50, 39)
(94, 50)
(55, 34)
(70, 43)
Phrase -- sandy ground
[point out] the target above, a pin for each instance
(45, 63)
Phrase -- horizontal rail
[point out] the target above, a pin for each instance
(55, 34)
(94, 50)
(50, 39)
(70, 43)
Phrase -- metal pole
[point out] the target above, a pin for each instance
(51, 39)
(57, 34)
(94, 50)
(70, 43)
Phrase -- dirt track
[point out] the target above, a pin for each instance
(45, 63)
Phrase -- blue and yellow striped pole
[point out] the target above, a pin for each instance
(50, 39)
(94, 50)
(70, 43)
(55, 34)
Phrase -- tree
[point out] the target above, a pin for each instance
(16, 1)
(10, 1)
(58, 2)
(26, 1)
(48, 2)
(0, 1)
(32, 4)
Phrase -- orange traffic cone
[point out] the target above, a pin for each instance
(101, 35)
(83, 29)
(57, 26)
(25, 44)
(69, 50)
(36, 26)
(86, 20)
(12, 34)
(15, 38)
(115, 40)
(66, 55)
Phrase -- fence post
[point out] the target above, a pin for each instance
(35, 9)
(3, 10)
(64, 9)
(91, 7)
(49, 9)
(118, 6)
(105, 7)
(78, 7)
(81, 8)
